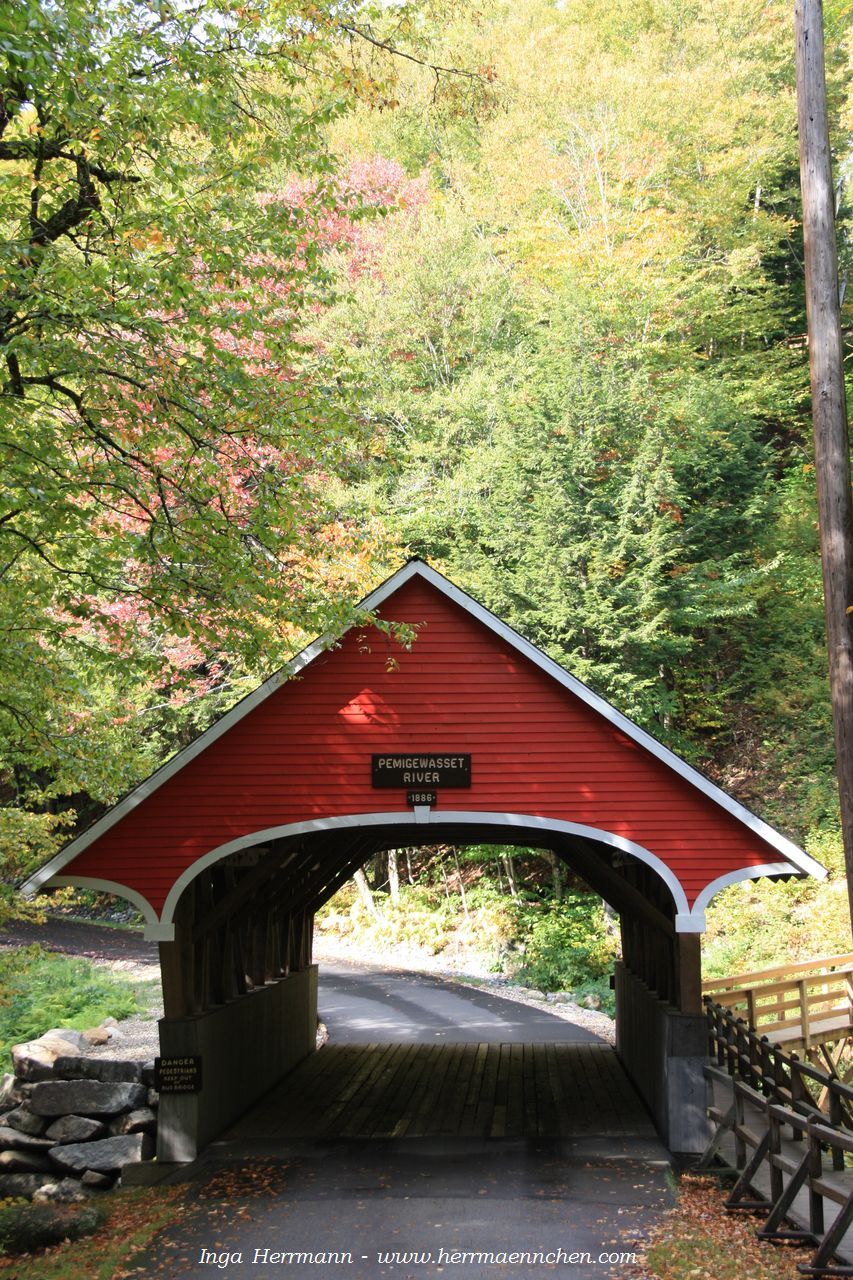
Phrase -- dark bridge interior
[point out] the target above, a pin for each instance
(247, 919)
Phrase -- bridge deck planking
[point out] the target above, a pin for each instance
(454, 1090)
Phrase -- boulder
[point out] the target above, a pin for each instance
(34, 1060)
(592, 1001)
(149, 1073)
(143, 1120)
(108, 1155)
(153, 1098)
(8, 1097)
(24, 1120)
(23, 1185)
(66, 1191)
(69, 1034)
(76, 1129)
(97, 1181)
(107, 1070)
(13, 1139)
(24, 1162)
(96, 1035)
(86, 1097)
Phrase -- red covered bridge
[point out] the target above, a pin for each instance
(472, 735)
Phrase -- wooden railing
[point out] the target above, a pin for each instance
(799, 1006)
(793, 1119)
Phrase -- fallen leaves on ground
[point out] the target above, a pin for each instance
(699, 1240)
(134, 1218)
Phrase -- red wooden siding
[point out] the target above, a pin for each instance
(305, 753)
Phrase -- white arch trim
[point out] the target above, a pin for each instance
(433, 817)
(733, 877)
(111, 886)
(687, 920)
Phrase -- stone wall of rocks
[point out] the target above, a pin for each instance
(70, 1121)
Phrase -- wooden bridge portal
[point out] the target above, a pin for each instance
(469, 734)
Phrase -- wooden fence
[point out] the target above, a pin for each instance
(791, 1118)
(800, 1007)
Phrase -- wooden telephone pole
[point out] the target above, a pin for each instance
(829, 408)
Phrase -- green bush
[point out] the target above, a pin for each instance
(40, 989)
(25, 1227)
(567, 946)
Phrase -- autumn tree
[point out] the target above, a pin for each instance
(167, 431)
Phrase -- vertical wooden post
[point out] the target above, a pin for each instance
(689, 949)
(829, 409)
(176, 961)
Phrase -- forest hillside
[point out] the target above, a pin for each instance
(527, 300)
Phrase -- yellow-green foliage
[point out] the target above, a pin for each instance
(424, 920)
(760, 923)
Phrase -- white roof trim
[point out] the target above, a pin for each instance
(801, 861)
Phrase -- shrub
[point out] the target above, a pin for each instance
(26, 1227)
(567, 946)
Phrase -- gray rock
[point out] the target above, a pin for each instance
(24, 1162)
(86, 1097)
(23, 1184)
(13, 1139)
(76, 1129)
(564, 997)
(108, 1155)
(148, 1073)
(8, 1097)
(66, 1191)
(107, 1070)
(34, 1059)
(67, 1033)
(592, 1001)
(153, 1098)
(24, 1120)
(97, 1181)
(143, 1120)
(537, 995)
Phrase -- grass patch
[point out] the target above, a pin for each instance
(132, 1219)
(40, 989)
(697, 1238)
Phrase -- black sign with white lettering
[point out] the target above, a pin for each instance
(422, 769)
(177, 1075)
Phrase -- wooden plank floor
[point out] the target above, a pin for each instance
(457, 1090)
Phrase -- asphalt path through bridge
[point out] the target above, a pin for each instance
(278, 1195)
(362, 1005)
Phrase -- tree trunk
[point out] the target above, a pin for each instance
(393, 876)
(556, 874)
(365, 892)
(829, 409)
(509, 868)
(461, 887)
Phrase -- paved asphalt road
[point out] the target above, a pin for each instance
(364, 1005)
(344, 1208)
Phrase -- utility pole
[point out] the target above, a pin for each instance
(829, 408)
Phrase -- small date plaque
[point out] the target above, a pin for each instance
(421, 797)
